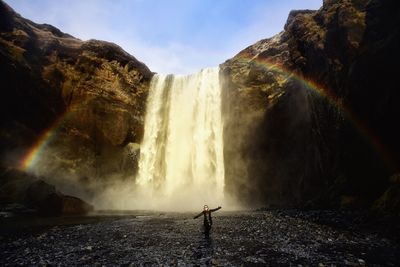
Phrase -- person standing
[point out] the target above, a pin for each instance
(207, 219)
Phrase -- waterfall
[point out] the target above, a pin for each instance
(181, 155)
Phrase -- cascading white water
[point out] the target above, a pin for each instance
(181, 157)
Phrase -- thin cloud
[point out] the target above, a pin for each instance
(168, 36)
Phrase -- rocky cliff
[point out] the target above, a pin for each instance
(311, 114)
(84, 99)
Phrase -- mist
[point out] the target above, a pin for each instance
(178, 166)
(118, 191)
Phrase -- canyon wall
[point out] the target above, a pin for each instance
(310, 113)
(88, 96)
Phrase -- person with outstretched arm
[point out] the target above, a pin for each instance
(207, 218)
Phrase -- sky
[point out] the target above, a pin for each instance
(175, 36)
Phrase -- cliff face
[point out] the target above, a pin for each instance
(90, 96)
(310, 113)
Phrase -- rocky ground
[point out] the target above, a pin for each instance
(271, 238)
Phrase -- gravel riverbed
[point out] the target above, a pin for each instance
(257, 238)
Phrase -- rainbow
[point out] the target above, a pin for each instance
(31, 157)
(335, 101)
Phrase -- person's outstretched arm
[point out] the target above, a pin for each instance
(197, 216)
(212, 210)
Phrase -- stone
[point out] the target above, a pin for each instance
(292, 105)
(49, 202)
(38, 192)
(389, 201)
(94, 90)
(74, 205)
(292, 139)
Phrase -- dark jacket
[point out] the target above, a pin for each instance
(207, 216)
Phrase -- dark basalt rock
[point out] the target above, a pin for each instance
(49, 202)
(74, 205)
(389, 201)
(285, 143)
(288, 145)
(38, 192)
(293, 14)
(263, 238)
(90, 94)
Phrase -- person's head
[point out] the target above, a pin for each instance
(205, 208)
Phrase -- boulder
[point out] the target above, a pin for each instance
(38, 192)
(74, 205)
(389, 201)
(50, 202)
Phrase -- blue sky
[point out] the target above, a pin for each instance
(176, 36)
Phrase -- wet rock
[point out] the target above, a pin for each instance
(52, 205)
(49, 74)
(297, 145)
(74, 205)
(38, 192)
(50, 202)
(172, 240)
(361, 262)
(389, 201)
